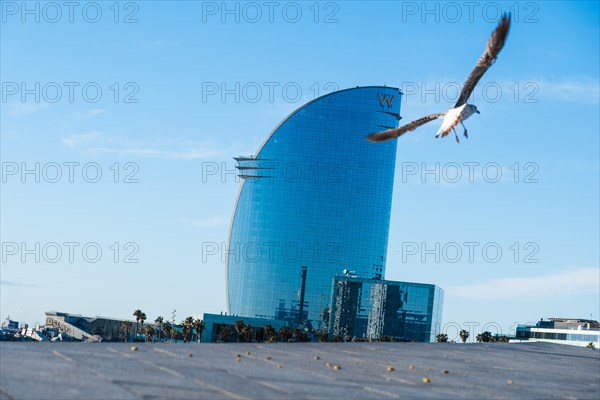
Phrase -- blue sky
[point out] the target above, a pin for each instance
(163, 121)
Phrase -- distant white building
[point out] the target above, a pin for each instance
(10, 325)
(79, 327)
(570, 331)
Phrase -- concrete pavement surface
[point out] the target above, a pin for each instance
(297, 371)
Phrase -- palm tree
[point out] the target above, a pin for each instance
(464, 335)
(247, 333)
(285, 333)
(149, 331)
(142, 319)
(225, 333)
(167, 329)
(270, 334)
(322, 336)
(487, 336)
(174, 333)
(126, 329)
(300, 336)
(198, 325)
(484, 337)
(159, 325)
(137, 314)
(441, 338)
(239, 328)
(186, 333)
(187, 329)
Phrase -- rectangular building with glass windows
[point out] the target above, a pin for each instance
(374, 309)
(571, 331)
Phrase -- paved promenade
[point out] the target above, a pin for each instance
(297, 371)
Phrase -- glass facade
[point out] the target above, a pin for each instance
(372, 309)
(316, 194)
(547, 334)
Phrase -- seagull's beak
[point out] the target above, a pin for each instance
(477, 111)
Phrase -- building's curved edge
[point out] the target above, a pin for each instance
(313, 101)
(256, 155)
(229, 244)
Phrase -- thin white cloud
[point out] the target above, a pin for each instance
(81, 139)
(187, 154)
(577, 90)
(11, 283)
(566, 283)
(98, 142)
(19, 109)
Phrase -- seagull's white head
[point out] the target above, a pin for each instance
(469, 110)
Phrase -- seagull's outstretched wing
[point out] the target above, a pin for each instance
(493, 47)
(395, 133)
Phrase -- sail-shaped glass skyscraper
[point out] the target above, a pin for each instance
(318, 195)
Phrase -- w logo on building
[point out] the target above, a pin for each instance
(387, 99)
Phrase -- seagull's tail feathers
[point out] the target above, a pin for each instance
(443, 131)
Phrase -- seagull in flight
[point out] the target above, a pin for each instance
(461, 109)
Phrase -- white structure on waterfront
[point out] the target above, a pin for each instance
(571, 331)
